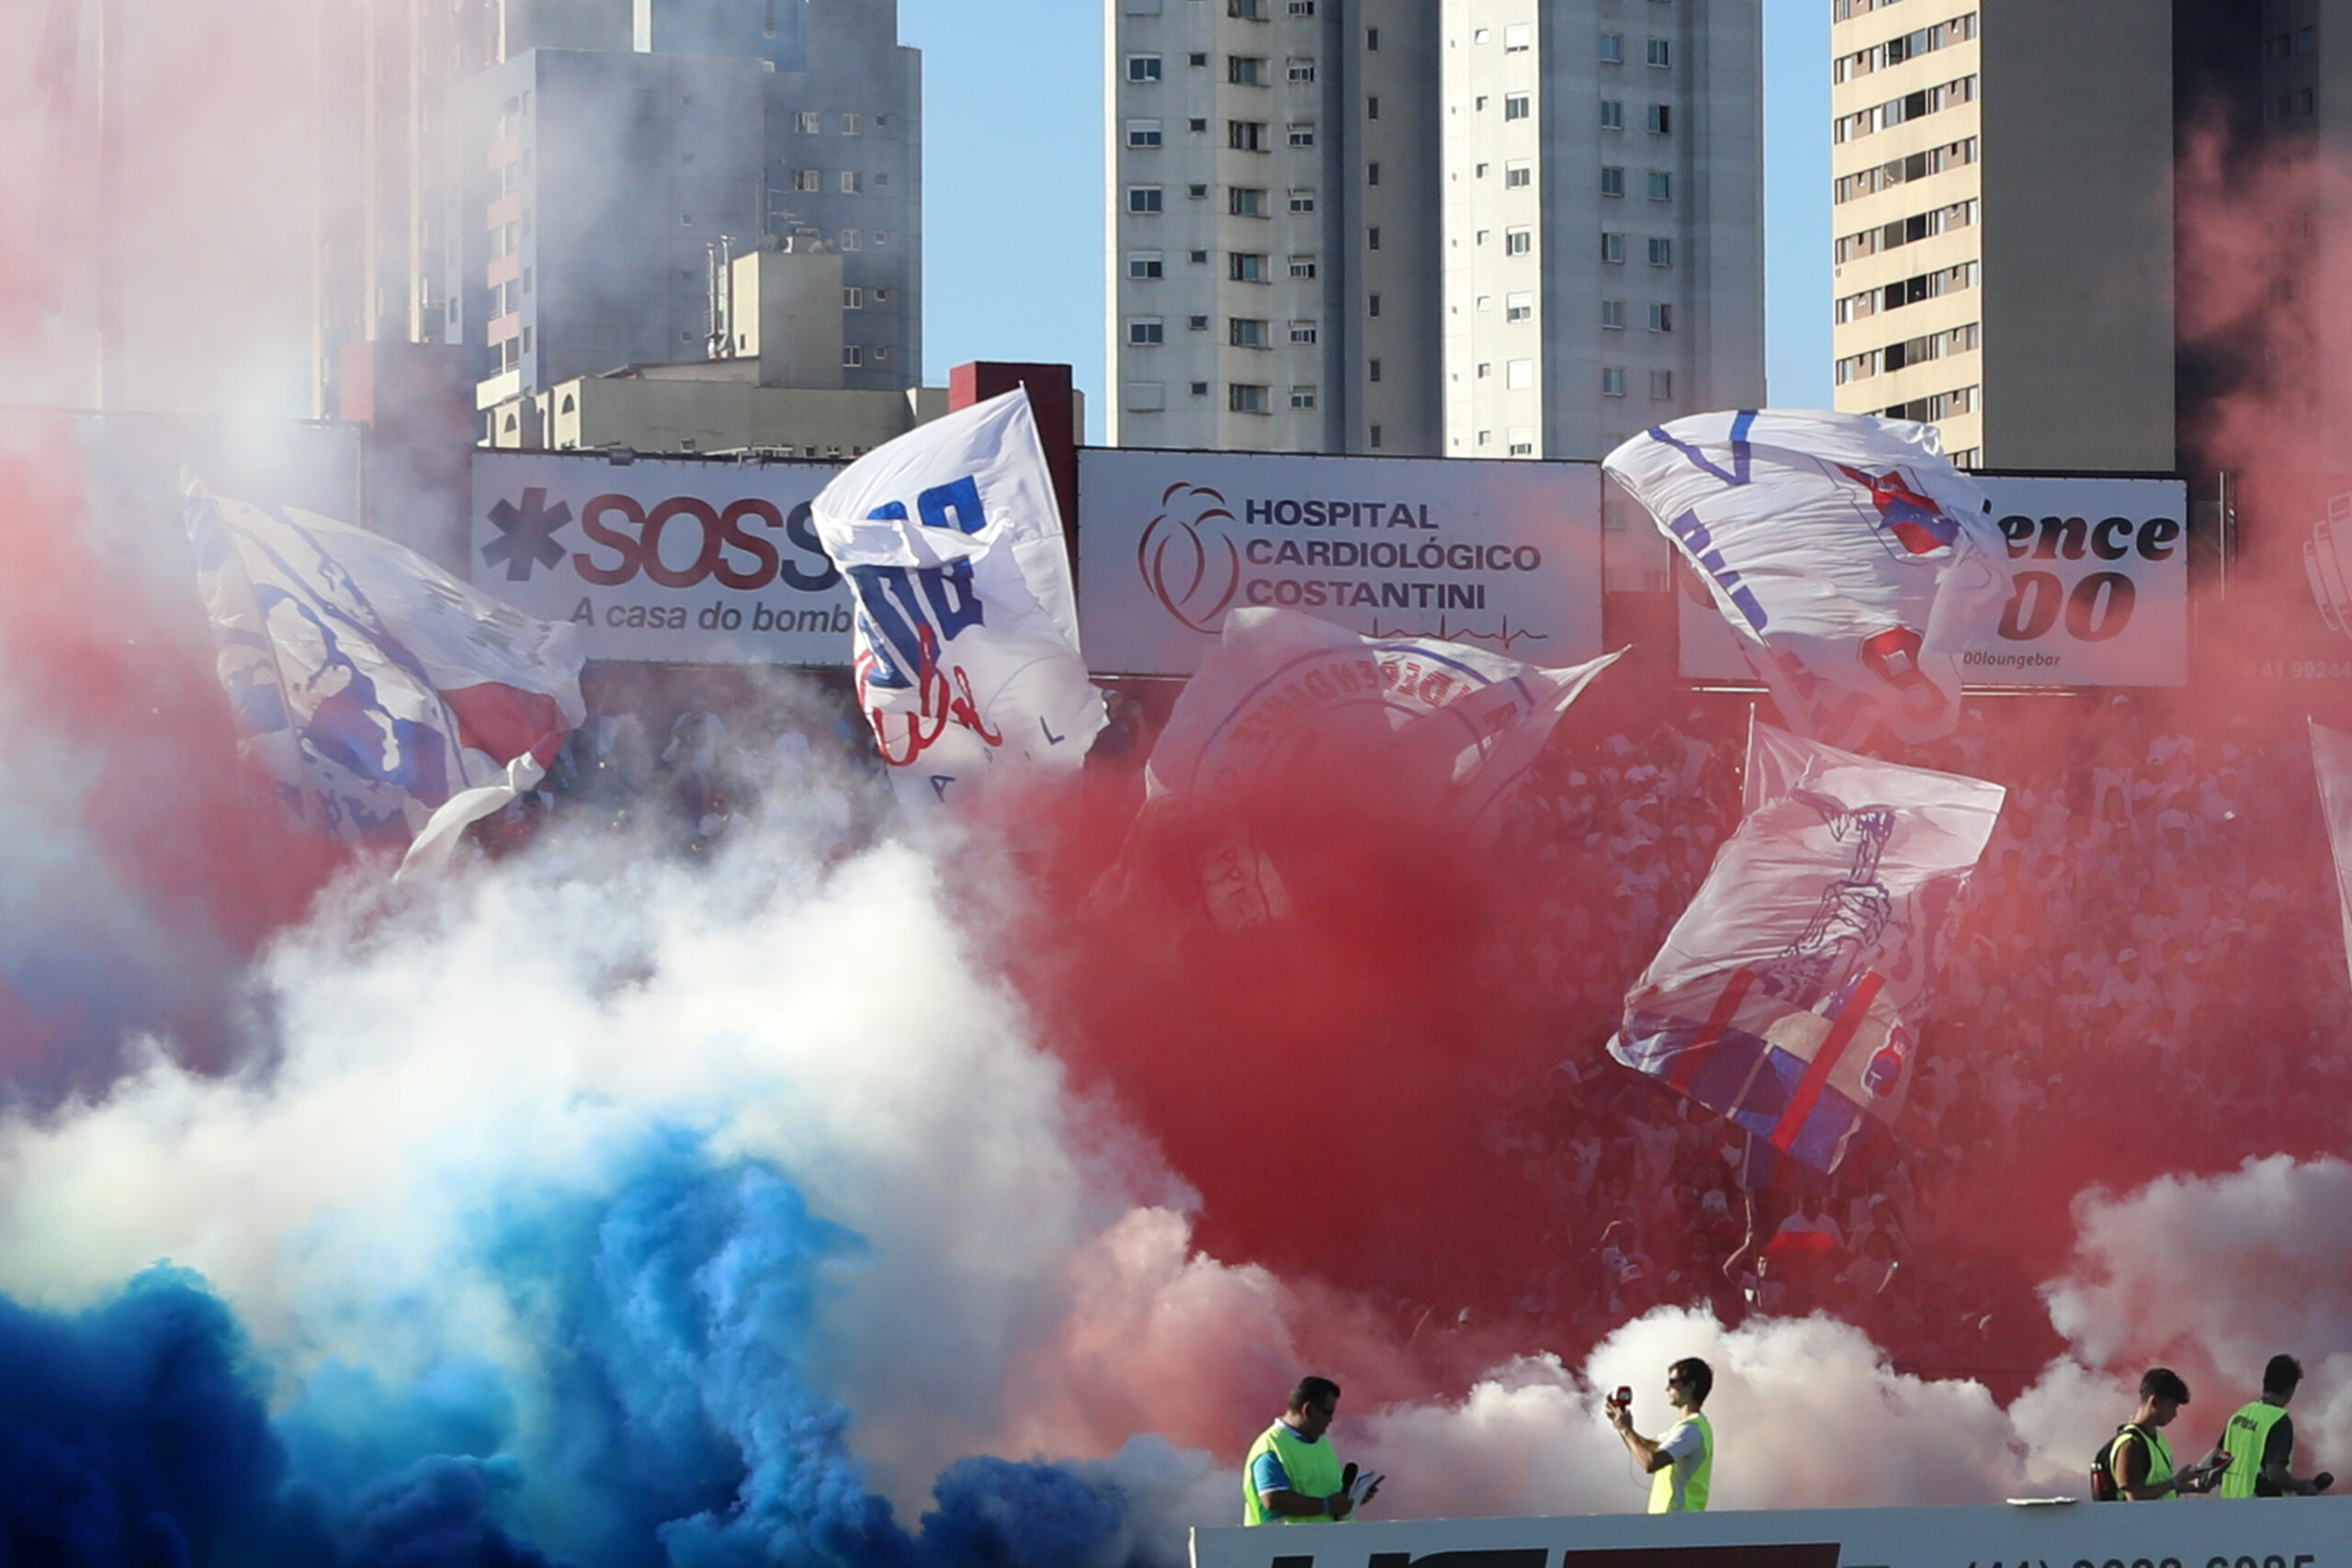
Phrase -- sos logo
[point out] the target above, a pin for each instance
(2098, 605)
(685, 541)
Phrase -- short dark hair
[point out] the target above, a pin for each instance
(2163, 1383)
(1313, 1390)
(1698, 1378)
(2282, 1374)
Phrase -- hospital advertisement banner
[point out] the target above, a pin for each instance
(2098, 589)
(663, 560)
(1500, 555)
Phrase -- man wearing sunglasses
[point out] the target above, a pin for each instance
(1681, 1461)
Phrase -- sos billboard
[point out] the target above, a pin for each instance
(2098, 573)
(663, 560)
(1503, 554)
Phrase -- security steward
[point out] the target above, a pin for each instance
(1292, 1476)
(2260, 1441)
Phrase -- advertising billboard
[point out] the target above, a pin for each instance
(1505, 555)
(663, 560)
(2099, 572)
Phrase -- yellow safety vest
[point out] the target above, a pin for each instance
(1313, 1469)
(1693, 1499)
(2159, 1460)
(2245, 1437)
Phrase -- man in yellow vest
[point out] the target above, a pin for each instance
(1681, 1463)
(2139, 1459)
(2260, 1441)
(1291, 1476)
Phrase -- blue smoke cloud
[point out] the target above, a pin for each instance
(667, 1417)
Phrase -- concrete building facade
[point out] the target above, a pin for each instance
(1384, 227)
(2004, 234)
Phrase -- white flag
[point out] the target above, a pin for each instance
(1445, 729)
(1853, 561)
(1790, 994)
(381, 699)
(2331, 757)
(967, 633)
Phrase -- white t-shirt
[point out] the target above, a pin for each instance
(1684, 1443)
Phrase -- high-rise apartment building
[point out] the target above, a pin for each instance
(1404, 226)
(610, 185)
(1604, 220)
(2002, 244)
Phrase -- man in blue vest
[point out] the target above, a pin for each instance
(1291, 1476)
(2260, 1441)
(1681, 1461)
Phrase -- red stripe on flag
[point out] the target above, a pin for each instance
(1817, 1072)
(1684, 1070)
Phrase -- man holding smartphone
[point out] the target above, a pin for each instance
(1681, 1461)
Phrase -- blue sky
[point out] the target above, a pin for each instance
(1013, 193)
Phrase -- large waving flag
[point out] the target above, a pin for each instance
(2331, 757)
(1788, 996)
(382, 700)
(1446, 728)
(1853, 561)
(967, 635)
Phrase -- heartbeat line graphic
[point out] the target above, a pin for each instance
(1448, 632)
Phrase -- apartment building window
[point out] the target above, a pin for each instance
(1196, 324)
(1522, 441)
(851, 239)
(852, 356)
(1612, 49)
(1518, 39)
(1372, 109)
(1302, 332)
(853, 125)
(1144, 265)
(1302, 201)
(1659, 52)
(1372, 172)
(1246, 135)
(1302, 8)
(1246, 201)
(1302, 267)
(1245, 70)
(1372, 238)
(1198, 60)
(1661, 384)
(1302, 397)
(1515, 106)
(1143, 199)
(1300, 72)
(810, 122)
(1613, 247)
(1613, 380)
(1245, 267)
(1661, 186)
(1198, 125)
(1372, 40)
(1197, 193)
(1247, 331)
(1143, 7)
(1661, 120)
(1518, 375)
(1519, 305)
(1143, 133)
(1372, 369)
(1485, 368)
(1248, 10)
(1518, 174)
(1613, 314)
(807, 179)
(1302, 135)
(853, 298)
(1373, 436)
(1143, 68)
(1661, 251)
(1146, 331)
(1661, 318)
(1243, 398)
(1372, 305)
(1612, 181)
(1612, 114)
(1200, 389)
(1519, 242)
(1143, 397)
(849, 182)
(1197, 258)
